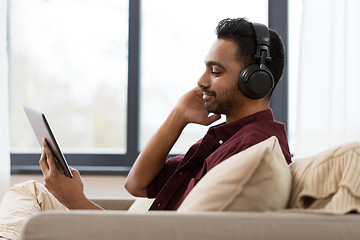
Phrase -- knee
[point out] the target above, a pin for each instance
(31, 187)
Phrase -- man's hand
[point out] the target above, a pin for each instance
(191, 108)
(69, 191)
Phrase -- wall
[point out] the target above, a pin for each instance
(4, 102)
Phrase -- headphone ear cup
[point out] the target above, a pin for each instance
(255, 82)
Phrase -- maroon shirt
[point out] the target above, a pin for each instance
(181, 173)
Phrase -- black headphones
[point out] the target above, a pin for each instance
(256, 81)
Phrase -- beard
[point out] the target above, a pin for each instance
(224, 103)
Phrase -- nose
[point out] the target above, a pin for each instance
(203, 81)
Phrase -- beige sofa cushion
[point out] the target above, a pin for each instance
(328, 182)
(257, 179)
(141, 205)
(158, 225)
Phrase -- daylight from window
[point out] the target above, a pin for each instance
(69, 59)
(175, 41)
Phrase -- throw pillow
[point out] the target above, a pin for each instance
(328, 182)
(257, 179)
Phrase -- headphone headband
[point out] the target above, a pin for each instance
(262, 40)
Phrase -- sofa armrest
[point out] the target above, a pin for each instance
(114, 204)
(91, 225)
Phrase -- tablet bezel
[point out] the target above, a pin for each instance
(42, 129)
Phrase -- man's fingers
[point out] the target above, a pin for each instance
(74, 172)
(213, 118)
(43, 164)
(50, 159)
(198, 91)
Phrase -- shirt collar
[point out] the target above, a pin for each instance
(224, 131)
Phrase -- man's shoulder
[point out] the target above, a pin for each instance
(255, 130)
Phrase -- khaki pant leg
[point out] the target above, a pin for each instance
(22, 201)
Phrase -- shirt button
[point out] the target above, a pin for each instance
(159, 205)
(180, 173)
(221, 142)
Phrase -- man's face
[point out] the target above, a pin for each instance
(220, 79)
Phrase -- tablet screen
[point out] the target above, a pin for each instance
(42, 130)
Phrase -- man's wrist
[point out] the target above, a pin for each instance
(82, 202)
(178, 119)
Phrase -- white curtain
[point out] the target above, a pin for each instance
(4, 103)
(328, 89)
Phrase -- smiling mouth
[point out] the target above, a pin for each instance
(207, 97)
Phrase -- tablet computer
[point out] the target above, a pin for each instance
(42, 130)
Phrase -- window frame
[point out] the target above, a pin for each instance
(120, 164)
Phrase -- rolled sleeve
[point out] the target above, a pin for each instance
(160, 180)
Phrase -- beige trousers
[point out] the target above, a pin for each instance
(22, 201)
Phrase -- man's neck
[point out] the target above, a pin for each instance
(246, 111)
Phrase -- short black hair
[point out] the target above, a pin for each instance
(242, 33)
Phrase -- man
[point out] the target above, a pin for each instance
(221, 90)
(248, 117)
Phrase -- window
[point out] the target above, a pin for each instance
(69, 59)
(294, 37)
(174, 45)
(101, 106)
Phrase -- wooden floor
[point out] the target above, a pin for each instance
(94, 186)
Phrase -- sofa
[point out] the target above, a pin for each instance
(252, 195)
(120, 224)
